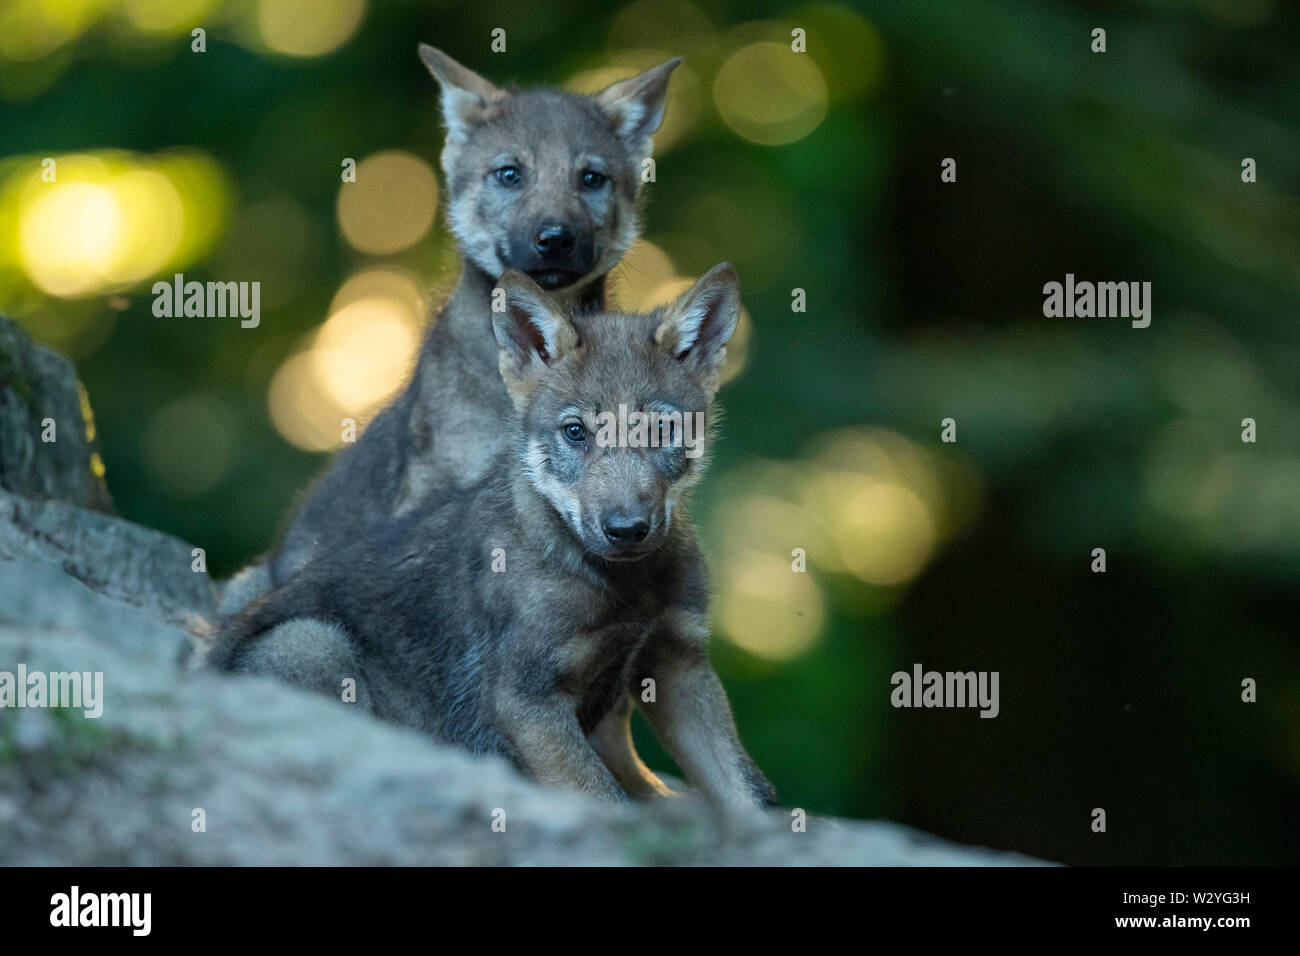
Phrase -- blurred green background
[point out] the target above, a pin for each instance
(817, 171)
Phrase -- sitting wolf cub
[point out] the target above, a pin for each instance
(517, 616)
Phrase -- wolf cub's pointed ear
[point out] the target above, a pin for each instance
(697, 327)
(531, 330)
(466, 96)
(635, 106)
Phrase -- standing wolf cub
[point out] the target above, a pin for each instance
(542, 181)
(523, 615)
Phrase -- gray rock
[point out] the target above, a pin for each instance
(114, 557)
(36, 386)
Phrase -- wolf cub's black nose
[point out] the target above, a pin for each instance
(623, 530)
(554, 241)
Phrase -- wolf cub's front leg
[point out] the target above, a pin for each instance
(691, 715)
(548, 741)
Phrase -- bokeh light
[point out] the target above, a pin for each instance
(363, 352)
(769, 94)
(108, 221)
(638, 275)
(300, 408)
(151, 204)
(69, 237)
(30, 29)
(308, 27)
(354, 363)
(881, 530)
(767, 609)
(865, 502)
(167, 16)
(391, 205)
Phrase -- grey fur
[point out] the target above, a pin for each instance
(310, 653)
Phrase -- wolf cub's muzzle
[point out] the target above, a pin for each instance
(554, 254)
(629, 535)
(622, 530)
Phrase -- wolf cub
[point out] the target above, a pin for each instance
(524, 615)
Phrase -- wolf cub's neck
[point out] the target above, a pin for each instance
(468, 311)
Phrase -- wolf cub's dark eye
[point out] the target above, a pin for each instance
(591, 179)
(509, 176)
(575, 432)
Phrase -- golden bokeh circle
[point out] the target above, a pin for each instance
(769, 94)
(391, 205)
